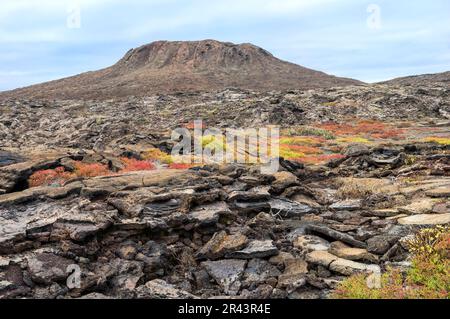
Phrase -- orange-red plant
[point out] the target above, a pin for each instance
(134, 165)
(303, 149)
(369, 128)
(91, 170)
(49, 176)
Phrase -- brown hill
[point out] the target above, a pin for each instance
(168, 67)
(421, 79)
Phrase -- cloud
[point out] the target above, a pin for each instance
(328, 35)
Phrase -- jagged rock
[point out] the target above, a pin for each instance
(343, 251)
(222, 244)
(209, 214)
(259, 271)
(251, 201)
(262, 220)
(281, 259)
(40, 192)
(383, 212)
(355, 150)
(305, 200)
(13, 176)
(348, 267)
(441, 208)
(423, 206)
(227, 273)
(336, 235)
(261, 293)
(95, 296)
(439, 192)
(4, 262)
(51, 292)
(127, 250)
(293, 276)
(289, 209)
(348, 205)
(428, 219)
(51, 221)
(282, 181)
(155, 257)
(255, 249)
(159, 289)
(321, 257)
(127, 274)
(339, 265)
(46, 268)
(8, 158)
(394, 161)
(381, 244)
(311, 243)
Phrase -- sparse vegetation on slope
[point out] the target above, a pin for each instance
(428, 277)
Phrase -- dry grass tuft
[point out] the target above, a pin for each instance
(350, 187)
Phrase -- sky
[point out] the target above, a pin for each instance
(375, 40)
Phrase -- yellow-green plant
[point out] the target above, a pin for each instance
(353, 139)
(438, 140)
(428, 277)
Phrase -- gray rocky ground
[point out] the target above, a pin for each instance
(213, 231)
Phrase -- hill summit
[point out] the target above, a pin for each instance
(182, 66)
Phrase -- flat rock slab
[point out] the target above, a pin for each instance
(256, 249)
(348, 205)
(283, 180)
(439, 192)
(336, 235)
(343, 251)
(422, 206)
(424, 186)
(209, 214)
(339, 265)
(7, 158)
(227, 273)
(289, 209)
(381, 244)
(46, 268)
(222, 244)
(311, 243)
(293, 276)
(258, 271)
(159, 289)
(428, 219)
(382, 212)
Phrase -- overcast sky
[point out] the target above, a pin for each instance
(373, 40)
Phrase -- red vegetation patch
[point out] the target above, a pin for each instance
(91, 170)
(134, 165)
(369, 128)
(49, 176)
(304, 149)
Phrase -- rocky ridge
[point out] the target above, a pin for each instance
(213, 231)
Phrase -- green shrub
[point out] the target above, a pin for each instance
(428, 277)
